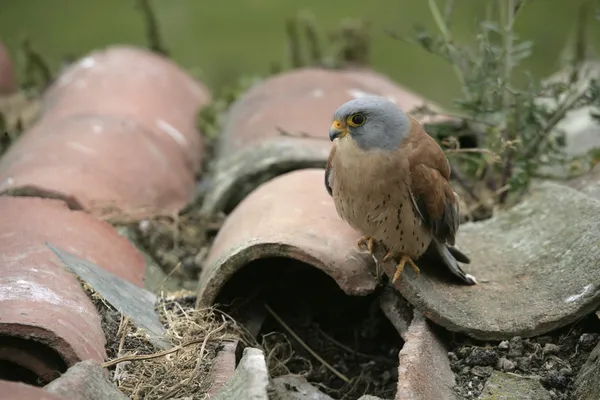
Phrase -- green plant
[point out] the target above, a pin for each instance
(514, 127)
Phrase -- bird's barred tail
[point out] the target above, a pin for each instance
(450, 257)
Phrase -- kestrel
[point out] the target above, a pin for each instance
(390, 181)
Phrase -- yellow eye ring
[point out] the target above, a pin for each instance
(356, 120)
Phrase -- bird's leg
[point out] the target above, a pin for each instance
(400, 267)
(369, 241)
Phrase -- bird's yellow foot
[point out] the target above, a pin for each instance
(400, 267)
(369, 241)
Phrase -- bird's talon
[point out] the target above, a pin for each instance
(369, 241)
(414, 266)
(400, 267)
(388, 256)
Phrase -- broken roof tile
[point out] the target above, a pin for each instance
(424, 372)
(44, 313)
(21, 391)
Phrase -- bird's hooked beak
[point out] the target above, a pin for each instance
(338, 129)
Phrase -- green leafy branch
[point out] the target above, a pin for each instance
(514, 127)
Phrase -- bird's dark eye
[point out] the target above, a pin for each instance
(357, 119)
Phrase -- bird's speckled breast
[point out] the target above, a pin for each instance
(370, 192)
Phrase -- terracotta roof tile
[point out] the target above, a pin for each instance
(117, 135)
(51, 322)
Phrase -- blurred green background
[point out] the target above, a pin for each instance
(231, 37)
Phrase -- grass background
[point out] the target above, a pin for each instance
(226, 38)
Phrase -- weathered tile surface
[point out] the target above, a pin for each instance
(504, 386)
(16, 390)
(40, 301)
(252, 148)
(85, 380)
(587, 382)
(250, 379)
(134, 153)
(290, 216)
(223, 366)
(537, 265)
(424, 372)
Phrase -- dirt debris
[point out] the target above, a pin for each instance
(357, 345)
(179, 244)
(554, 358)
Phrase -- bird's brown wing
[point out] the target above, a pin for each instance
(329, 170)
(432, 195)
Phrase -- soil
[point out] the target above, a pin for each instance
(555, 358)
(178, 244)
(350, 333)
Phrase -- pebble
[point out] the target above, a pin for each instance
(505, 364)
(503, 345)
(516, 347)
(482, 356)
(452, 356)
(587, 341)
(551, 348)
(482, 372)
(523, 363)
(556, 380)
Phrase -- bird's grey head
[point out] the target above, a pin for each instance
(373, 122)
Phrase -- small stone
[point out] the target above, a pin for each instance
(463, 351)
(556, 380)
(482, 372)
(551, 348)
(505, 364)
(452, 356)
(503, 345)
(294, 387)
(566, 371)
(523, 363)
(482, 356)
(502, 386)
(587, 341)
(516, 347)
(542, 340)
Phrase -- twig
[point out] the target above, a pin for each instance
(473, 150)
(312, 39)
(564, 108)
(439, 20)
(135, 357)
(462, 181)
(306, 347)
(448, 12)
(34, 62)
(294, 48)
(301, 135)
(173, 270)
(155, 42)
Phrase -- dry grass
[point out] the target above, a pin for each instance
(141, 371)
